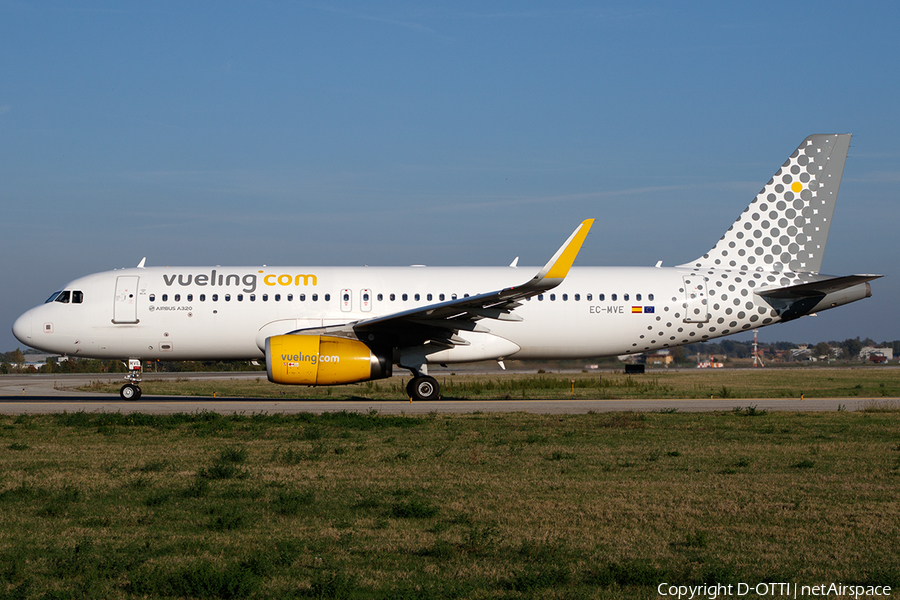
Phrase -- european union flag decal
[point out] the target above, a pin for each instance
(648, 309)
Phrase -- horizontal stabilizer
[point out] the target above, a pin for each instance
(817, 288)
(796, 301)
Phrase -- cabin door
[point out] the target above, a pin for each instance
(125, 304)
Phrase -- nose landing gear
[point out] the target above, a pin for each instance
(131, 390)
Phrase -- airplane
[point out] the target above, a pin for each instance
(337, 325)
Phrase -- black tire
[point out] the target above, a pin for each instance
(425, 388)
(130, 392)
(139, 392)
(409, 388)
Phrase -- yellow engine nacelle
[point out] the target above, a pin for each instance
(323, 360)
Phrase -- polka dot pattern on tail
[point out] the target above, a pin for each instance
(786, 226)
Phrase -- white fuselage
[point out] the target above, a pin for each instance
(221, 313)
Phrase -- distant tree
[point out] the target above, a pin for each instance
(18, 359)
(851, 348)
(822, 349)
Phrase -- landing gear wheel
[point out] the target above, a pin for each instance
(130, 392)
(424, 388)
(409, 388)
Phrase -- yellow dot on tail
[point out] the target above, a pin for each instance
(796, 186)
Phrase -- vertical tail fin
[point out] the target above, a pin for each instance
(786, 226)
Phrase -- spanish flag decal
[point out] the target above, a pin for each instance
(637, 309)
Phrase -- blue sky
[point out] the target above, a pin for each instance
(463, 133)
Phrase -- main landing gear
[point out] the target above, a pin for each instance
(131, 390)
(423, 387)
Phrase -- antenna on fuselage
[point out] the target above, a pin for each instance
(141, 264)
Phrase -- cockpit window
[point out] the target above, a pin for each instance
(52, 297)
(77, 297)
(63, 297)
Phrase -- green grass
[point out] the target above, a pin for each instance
(866, 382)
(349, 505)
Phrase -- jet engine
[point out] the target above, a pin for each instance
(324, 360)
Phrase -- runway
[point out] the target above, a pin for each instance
(46, 394)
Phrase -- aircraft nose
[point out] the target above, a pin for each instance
(22, 329)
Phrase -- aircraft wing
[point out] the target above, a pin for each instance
(439, 323)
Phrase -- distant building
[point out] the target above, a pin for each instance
(869, 351)
(660, 357)
(38, 360)
(802, 352)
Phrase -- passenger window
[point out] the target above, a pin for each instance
(327, 297)
(614, 297)
(227, 297)
(380, 297)
(428, 297)
(552, 296)
(215, 297)
(650, 297)
(589, 297)
(625, 297)
(152, 297)
(577, 297)
(277, 297)
(240, 297)
(637, 297)
(302, 297)
(347, 297)
(441, 297)
(601, 297)
(417, 297)
(392, 297)
(405, 297)
(365, 297)
(165, 297)
(315, 298)
(190, 297)
(265, 297)
(565, 297)
(453, 296)
(177, 297)
(540, 297)
(290, 298)
(202, 297)
(465, 295)
(252, 297)
(77, 297)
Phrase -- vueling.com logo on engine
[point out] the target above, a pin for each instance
(294, 360)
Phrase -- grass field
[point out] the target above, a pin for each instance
(347, 505)
(867, 382)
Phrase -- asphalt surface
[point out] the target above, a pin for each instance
(42, 394)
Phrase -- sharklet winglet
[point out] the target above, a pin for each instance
(559, 265)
